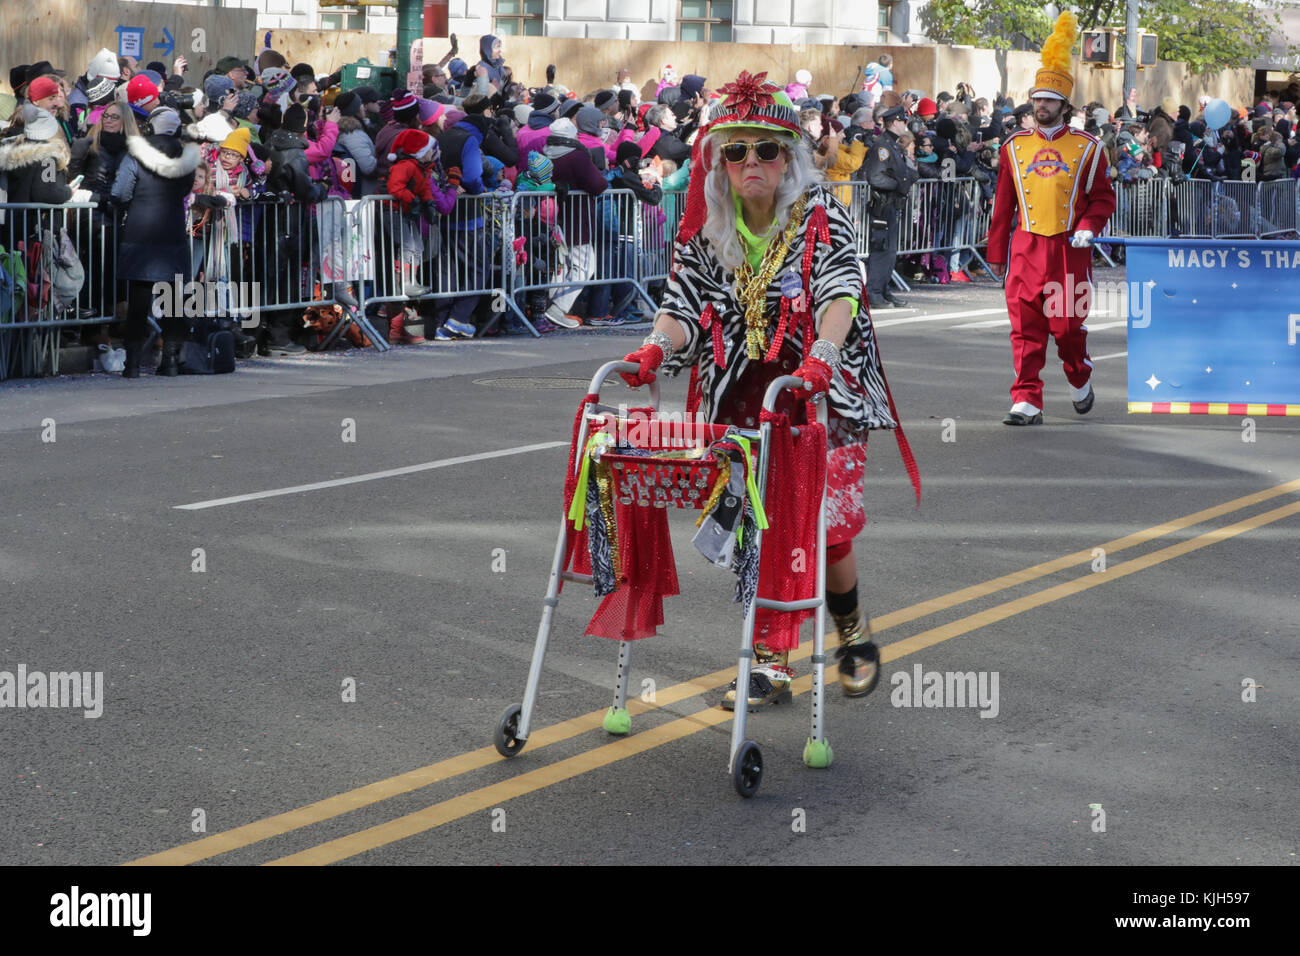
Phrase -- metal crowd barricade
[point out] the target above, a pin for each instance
(33, 310)
(464, 254)
(1279, 203)
(943, 215)
(1141, 209)
(659, 230)
(557, 264)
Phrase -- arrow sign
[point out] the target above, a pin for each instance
(168, 43)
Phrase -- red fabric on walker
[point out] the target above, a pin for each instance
(788, 567)
(636, 609)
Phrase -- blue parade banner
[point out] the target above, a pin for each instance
(1213, 326)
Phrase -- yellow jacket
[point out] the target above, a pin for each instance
(849, 160)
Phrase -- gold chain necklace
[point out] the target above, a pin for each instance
(751, 285)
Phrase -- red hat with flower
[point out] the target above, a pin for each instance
(749, 102)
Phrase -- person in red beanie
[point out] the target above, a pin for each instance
(927, 109)
(761, 287)
(408, 183)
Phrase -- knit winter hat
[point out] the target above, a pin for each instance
(545, 104)
(430, 110)
(627, 150)
(412, 142)
(303, 71)
(103, 66)
(277, 81)
(927, 107)
(368, 94)
(522, 112)
(238, 141)
(38, 124)
(41, 87)
(216, 87)
(101, 92)
(1184, 112)
(605, 101)
(165, 121)
(246, 104)
(295, 119)
(588, 120)
(802, 77)
(540, 168)
(140, 90)
(569, 108)
(946, 128)
(349, 104)
(404, 102)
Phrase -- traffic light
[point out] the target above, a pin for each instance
(1147, 48)
(1099, 47)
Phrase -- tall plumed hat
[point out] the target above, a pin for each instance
(1055, 79)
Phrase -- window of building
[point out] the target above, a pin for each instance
(341, 18)
(704, 20)
(884, 11)
(512, 18)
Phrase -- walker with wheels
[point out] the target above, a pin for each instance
(648, 474)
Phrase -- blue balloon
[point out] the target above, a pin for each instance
(1217, 114)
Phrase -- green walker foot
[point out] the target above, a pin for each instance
(618, 721)
(817, 754)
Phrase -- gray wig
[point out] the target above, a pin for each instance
(719, 228)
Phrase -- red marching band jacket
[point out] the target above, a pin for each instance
(1051, 186)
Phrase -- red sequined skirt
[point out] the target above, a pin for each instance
(846, 454)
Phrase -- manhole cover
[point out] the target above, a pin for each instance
(538, 382)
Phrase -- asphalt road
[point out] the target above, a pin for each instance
(224, 689)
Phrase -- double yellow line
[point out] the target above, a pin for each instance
(483, 798)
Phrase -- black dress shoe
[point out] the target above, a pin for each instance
(1085, 406)
(1019, 418)
(894, 300)
(170, 362)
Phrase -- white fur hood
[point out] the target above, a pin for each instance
(19, 151)
(159, 163)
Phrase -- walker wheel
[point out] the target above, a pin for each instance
(507, 743)
(748, 772)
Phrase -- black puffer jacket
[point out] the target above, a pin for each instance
(152, 182)
(290, 171)
(98, 167)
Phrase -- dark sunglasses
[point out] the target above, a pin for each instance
(767, 150)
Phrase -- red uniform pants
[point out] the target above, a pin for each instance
(1049, 292)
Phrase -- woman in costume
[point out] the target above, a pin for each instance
(766, 282)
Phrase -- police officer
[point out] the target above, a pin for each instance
(890, 178)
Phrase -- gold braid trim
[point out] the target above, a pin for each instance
(605, 490)
(724, 474)
(751, 285)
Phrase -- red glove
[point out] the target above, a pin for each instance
(649, 358)
(815, 371)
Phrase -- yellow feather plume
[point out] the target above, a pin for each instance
(1056, 50)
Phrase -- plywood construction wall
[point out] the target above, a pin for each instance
(69, 32)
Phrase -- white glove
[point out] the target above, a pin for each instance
(1082, 239)
(82, 195)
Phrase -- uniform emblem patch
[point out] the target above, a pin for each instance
(1047, 162)
(883, 154)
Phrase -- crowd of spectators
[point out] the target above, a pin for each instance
(248, 134)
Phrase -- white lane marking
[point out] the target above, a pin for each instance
(986, 324)
(372, 476)
(885, 323)
(1102, 358)
(1107, 325)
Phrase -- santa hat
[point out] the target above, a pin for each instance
(412, 142)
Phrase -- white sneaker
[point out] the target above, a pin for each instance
(558, 317)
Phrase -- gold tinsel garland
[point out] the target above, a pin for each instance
(751, 285)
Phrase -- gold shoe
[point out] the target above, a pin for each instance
(769, 680)
(857, 656)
